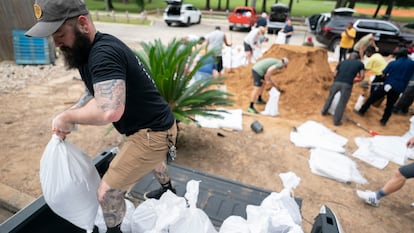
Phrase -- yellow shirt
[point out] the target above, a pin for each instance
(346, 41)
(376, 63)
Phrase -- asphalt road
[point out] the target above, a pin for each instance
(133, 34)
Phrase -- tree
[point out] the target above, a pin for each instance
(254, 4)
(264, 6)
(207, 4)
(108, 5)
(141, 4)
(168, 66)
(290, 5)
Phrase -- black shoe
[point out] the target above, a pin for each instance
(358, 112)
(260, 102)
(337, 123)
(156, 194)
(383, 122)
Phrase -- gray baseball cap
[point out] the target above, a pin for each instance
(51, 14)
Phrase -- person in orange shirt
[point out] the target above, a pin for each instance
(347, 41)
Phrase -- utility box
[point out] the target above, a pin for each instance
(31, 50)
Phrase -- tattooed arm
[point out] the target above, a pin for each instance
(107, 107)
(84, 99)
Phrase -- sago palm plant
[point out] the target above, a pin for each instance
(172, 67)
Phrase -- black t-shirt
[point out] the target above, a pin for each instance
(109, 59)
(347, 70)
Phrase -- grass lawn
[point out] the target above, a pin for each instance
(300, 8)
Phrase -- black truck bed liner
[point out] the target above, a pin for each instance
(218, 197)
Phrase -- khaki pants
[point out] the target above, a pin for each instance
(140, 154)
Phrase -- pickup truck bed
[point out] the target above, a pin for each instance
(218, 197)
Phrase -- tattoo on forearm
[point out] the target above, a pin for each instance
(85, 98)
(162, 175)
(110, 94)
(113, 207)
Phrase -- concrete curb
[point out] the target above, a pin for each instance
(12, 199)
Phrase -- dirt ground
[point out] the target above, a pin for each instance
(32, 95)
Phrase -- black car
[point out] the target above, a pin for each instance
(314, 21)
(388, 36)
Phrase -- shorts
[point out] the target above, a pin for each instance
(140, 154)
(407, 171)
(257, 79)
(247, 47)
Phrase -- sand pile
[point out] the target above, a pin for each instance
(304, 83)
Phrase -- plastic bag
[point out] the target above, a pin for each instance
(272, 108)
(69, 182)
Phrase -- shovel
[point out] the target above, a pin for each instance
(371, 132)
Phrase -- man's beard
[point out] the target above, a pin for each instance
(78, 55)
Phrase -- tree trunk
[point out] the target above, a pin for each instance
(264, 6)
(207, 4)
(246, 2)
(149, 1)
(108, 5)
(380, 2)
(389, 8)
(351, 4)
(290, 5)
(340, 3)
(219, 5)
(254, 4)
(227, 4)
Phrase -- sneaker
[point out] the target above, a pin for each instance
(252, 110)
(157, 193)
(260, 102)
(369, 197)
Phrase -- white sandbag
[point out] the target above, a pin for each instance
(365, 154)
(69, 181)
(392, 148)
(234, 224)
(272, 105)
(145, 216)
(232, 119)
(312, 134)
(172, 214)
(281, 38)
(283, 201)
(360, 101)
(335, 166)
(410, 133)
(258, 219)
(334, 103)
(126, 223)
(192, 219)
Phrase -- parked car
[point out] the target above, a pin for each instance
(277, 18)
(242, 17)
(183, 14)
(387, 34)
(315, 21)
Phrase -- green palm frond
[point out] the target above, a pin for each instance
(172, 67)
